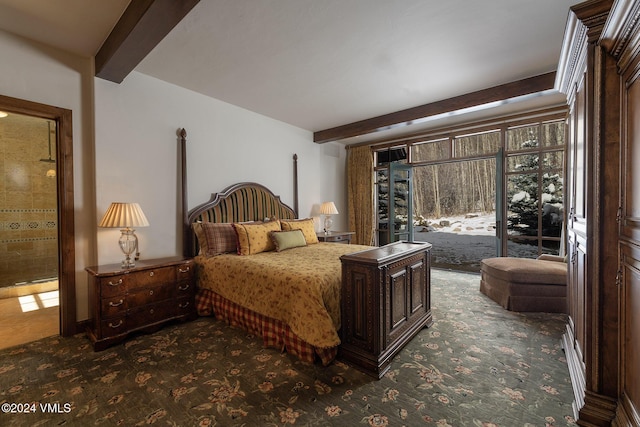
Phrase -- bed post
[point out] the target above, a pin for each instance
(186, 231)
(295, 185)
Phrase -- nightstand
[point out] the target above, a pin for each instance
(335, 236)
(140, 298)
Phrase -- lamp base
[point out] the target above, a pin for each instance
(127, 263)
(328, 222)
(128, 243)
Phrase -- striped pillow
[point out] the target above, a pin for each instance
(215, 238)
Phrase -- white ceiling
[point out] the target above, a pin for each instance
(318, 64)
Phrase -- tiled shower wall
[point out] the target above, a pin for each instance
(28, 202)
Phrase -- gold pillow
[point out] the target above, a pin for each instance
(254, 238)
(305, 225)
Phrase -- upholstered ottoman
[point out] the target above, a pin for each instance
(522, 284)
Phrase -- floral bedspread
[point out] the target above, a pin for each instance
(299, 286)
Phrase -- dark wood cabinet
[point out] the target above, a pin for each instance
(386, 301)
(140, 298)
(599, 72)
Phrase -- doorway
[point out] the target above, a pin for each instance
(29, 297)
(37, 226)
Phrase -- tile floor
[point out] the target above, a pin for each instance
(29, 317)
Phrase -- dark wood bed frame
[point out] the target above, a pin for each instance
(385, 293)
(188, 217)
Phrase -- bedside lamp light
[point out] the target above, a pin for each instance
(327, 209)
(125, 216)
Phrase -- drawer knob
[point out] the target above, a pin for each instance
(116, 304)
(183, 288)
(151, 274)
(151, 311)
(119, 282)
(185, 305)
(151, 292)
(117, 325)
(186, 270)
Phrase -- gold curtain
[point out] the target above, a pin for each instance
(360, 193)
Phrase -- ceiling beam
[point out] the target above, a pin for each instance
(407, 117)
(141, 27)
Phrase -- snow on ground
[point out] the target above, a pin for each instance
(461, 242)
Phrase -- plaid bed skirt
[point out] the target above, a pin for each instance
(274, 333)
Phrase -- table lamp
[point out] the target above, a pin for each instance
(125, 216)
(327, 209)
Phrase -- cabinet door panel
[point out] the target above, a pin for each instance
(417, 287)
(580, 163)
(398, 299)
(630, 242)
(631, 324)
(358, 305)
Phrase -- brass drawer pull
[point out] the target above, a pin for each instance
(111, 325)
(184, 271)
(151, 311)
(185, 305)
(181, 288)
(151, 292)
(151, 274)
(119, 282)
(116, 304)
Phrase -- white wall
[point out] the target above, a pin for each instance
(126, 148)
(38, 73)
(137, 158)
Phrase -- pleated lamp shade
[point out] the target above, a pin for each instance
(124, 215)
(328, 208)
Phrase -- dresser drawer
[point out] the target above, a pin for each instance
(185, 288)
(113, 286)
(149, 314)
(185, 305)
(113, 326)
(145, 278)
(113, 306)
(185, 272)
(143, 296)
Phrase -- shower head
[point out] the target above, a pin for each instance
(49, 160)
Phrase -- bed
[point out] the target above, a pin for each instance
(262, 269)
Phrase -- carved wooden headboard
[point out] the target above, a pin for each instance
(246, 201)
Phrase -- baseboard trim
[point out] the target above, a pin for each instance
(627, 414)
(576, 370)
(598, 410)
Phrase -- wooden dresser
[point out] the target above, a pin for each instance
(141, 298)
(386, 301)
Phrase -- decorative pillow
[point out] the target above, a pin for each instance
(254, 238)
(288, 239)
(215, 238)
(305, 225)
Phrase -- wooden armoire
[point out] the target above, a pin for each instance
(599, 72)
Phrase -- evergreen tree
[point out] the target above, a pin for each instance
(523, 196)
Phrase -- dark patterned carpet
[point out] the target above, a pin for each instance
(478, 365)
